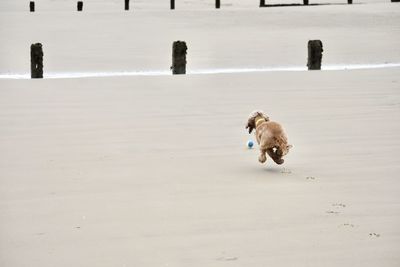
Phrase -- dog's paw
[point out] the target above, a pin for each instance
(262, 158)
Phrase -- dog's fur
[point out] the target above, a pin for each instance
(270, 137)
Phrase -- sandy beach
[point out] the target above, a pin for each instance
(153, 169)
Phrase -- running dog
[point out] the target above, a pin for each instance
(270, 137)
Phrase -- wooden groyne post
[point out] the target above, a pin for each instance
(32, 6)
(349, 2)
(36, 61)
(217, 3)
(305, 2)
(126, 4)
(314, 54)
(179, 51)
(172, 4)
(80, 5)
(262, 3)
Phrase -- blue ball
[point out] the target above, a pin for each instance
(250, 144)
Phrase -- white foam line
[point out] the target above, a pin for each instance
(105, 74)
(246, 70)
(72, 75)
(361, 66)
(294, 68)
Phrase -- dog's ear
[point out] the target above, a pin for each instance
(248, 126)
(251, 121)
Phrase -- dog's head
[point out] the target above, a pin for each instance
(251, 122)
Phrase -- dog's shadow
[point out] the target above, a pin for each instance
(277, 170)
(272, 170)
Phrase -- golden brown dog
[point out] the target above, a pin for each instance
(270, 137)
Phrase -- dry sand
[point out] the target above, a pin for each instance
(153, 171)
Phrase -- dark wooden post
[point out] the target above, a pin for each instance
(314, 54)
(217, 3)
(349, 2)
(126, 4)
(179, 50)
(305, 2)
(395, 1)
(172, 4)
(32, 6)
(262, 3)
(80, 5)
(36, 61)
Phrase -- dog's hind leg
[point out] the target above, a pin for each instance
(262, 158)
(275, 156)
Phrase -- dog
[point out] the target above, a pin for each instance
(270, 137)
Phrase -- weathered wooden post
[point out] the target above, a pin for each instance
(32, 6)
(305, 2)
(262, 3)
(314, 54)
(395, 1)
(126, 4)
(179, 50)
(172, 4)
(349, 2)
(80, 5)
(217, 3)
(36, 61)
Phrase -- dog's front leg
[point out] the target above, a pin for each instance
(275, 156)
(262, 158)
